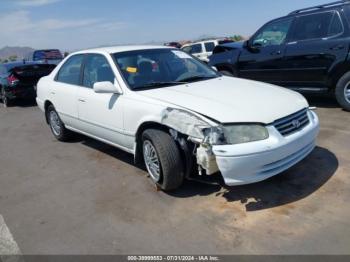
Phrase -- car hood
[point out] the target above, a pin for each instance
(232, 100)
(234, 45)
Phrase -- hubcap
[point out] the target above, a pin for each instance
(347, 93)
(151, 160)
(55, 123)
(4, 98)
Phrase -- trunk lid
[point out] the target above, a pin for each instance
(29, 75)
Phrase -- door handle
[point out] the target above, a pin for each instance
(53, 93)
(337, 47)
(276, 52)
(81, 100)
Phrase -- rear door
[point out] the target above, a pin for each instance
(262, 59)
(209, 47)
(316, 46)
(64, 90)
(100, 115)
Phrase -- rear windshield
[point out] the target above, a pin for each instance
(53, 54)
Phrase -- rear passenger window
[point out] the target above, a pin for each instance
(336, 27)
(70, 71)
(196, 49)
(209, 47)
(97, 69)
(317, 26)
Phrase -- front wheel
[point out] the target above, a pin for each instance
(342, 92)
(162, 159)
(57, 127)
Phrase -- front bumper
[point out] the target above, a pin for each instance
(256, 161)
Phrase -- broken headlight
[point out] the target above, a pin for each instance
(238, 134)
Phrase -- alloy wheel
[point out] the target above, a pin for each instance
(151, 160)
(55, 123)
(347, 93)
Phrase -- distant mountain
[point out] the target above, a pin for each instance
(20, 52)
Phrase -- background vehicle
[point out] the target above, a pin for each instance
(177, 115)
(203, 49)
(307, 50)
(173, 44)
(48, 56)
(18, 79)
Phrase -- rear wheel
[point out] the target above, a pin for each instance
(342, 92)
(162, 159)
(5, 101)
(58, 129)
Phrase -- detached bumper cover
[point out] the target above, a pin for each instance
(256, 161)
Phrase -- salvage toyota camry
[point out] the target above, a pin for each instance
(176, 115)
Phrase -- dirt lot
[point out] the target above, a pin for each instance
(86, 197)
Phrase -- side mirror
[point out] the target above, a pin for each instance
(105, 87)
(214, 68)
(246, 44)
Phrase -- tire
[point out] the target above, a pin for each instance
(60, 132)
(226, 73)
(342, 92)
(171, 169)
(5, 101)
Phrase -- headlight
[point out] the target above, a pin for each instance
(238, 134)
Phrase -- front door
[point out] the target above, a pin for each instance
(262, 59)
(100, 115)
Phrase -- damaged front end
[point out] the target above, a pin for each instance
(205, 133)
(200, 132)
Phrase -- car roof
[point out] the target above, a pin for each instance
(201, 42)
(320, 8)
(119, 49)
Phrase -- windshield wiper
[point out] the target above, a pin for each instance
(197, 78)
(159, 84)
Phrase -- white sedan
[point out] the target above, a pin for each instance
(177, 115)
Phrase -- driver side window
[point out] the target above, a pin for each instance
(97, 69)
(274, 33)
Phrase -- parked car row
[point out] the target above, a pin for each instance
(307, 51)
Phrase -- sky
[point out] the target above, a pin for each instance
(76, 24)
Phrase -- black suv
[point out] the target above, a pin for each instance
(307, 50)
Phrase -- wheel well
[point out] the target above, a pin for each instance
(138, 137)
(225, 68)
(46, 105)
(186, 149)
(338, 73)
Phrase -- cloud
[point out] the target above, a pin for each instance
(36, 2)
(67, 33)
(20, 21)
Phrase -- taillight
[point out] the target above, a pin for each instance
(12, 80)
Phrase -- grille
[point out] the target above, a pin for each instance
(293, 123)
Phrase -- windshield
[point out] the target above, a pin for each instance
(157, 68)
